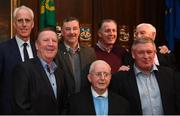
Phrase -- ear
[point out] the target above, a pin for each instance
(154, 35)
(99, 34)
(89, 78)
(36, 45)
(132, 53)
(33, 24)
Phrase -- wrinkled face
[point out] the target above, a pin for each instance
(47, 45)
(100, 77)
(144, 31)
(108, 33)
(23, 24)
(144, 56)
(70, 32)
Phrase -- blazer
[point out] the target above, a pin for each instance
(124, 83)
(82, 104)
(9, 57)
(87, 56)
(32, 91)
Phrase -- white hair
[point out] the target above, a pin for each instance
(148, 25)
(25, 8)
(98, 62)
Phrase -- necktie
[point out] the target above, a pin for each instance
(48, 69)
(26, 56)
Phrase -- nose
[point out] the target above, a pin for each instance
(102, 76)
(24, 22)
(50, 42)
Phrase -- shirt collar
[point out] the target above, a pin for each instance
(103, 48)
(68, 48)
(52, 67)
(138, 71)
(20, 42)
(95, 94)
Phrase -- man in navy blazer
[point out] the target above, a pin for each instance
(150, 89)
(11, 53)
(97, 99)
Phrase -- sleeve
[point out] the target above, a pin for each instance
(21, 92)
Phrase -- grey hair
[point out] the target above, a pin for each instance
(20, 8)
(142, 40)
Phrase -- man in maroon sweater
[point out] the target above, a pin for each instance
(106, 48)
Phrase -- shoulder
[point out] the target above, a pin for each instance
(27, 64)
(165, 69)
(86, 48)
(80, 96)
(121, 74)
(118, 100)
(8, 43)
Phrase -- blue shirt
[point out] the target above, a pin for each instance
(50, 75)
(100, 103)
(149, 92)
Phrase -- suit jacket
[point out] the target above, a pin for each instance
(32, 91)
(124, 83)
(9, 57)
(82, 104)
(87, 56)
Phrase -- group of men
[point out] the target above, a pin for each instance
(48, 77)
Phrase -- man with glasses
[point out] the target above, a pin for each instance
(98, 100)
(13, 51)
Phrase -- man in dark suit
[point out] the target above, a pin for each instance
(11, 53)
(149, 88)
(38, 84)
(98, 100)
(74, 58)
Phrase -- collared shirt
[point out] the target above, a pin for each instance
(68, 48)
(149, 92)
(100, 102)
(20, 43)
(74, 58)
(50, 74)
(156, 61)
(102, 47)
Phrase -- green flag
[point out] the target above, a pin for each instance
(47, 14)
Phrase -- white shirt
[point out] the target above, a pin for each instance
(20, 43)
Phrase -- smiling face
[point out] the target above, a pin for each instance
(23, 24)
(108, 33)
(47, 45)
(100, 76)
(70, 32)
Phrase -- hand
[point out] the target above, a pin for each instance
(124, 68)
(164, 49)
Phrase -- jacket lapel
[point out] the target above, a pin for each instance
(135, 92)
(65, 58)
(45, 79)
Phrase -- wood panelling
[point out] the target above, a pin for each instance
(125, 12)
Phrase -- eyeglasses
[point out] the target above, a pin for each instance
(101, 74)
